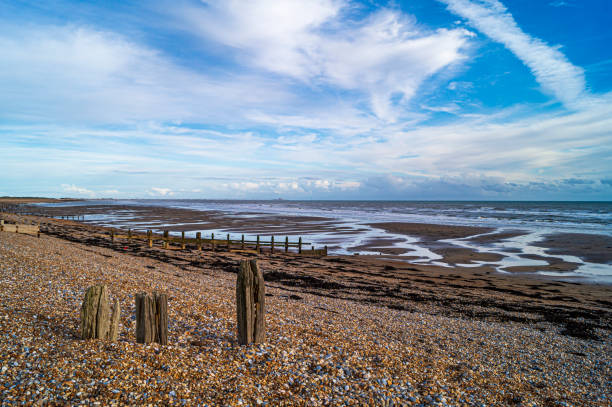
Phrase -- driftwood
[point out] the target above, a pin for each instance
(250, 303)
(152, 318)
(96, 319)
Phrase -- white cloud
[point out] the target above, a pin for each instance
(516, 145)
(551, 68)
(73, 189)
(79, 74)
(161, 191)
(386, 56)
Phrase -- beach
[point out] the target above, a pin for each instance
(342, 329)
(568, 241)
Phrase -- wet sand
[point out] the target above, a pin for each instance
(594, 248)
(431, 236)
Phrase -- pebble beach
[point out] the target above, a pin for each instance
(319, 350)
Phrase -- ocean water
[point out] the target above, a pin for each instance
(537, 219)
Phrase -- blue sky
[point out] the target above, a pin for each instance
(307, 99)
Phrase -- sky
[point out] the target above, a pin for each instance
(307, 99)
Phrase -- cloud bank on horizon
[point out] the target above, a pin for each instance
(307, 99)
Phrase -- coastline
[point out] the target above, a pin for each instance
(407, 333)
(578, 257)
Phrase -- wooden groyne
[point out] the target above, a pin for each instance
(168, 240)
(215, 243)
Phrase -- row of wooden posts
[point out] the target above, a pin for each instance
(99, 322)
(237, 245)
(198, 242)
(241, 245)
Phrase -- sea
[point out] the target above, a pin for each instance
(537, 219)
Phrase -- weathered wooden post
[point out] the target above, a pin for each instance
(199, 240)
(129, 234)
(257, 244)
(250, 303)
(152, 318)
(228, 242)
(286, 244)
(325, 250)
(165, 239)
(96, 322)
(272, 245)
(242, 242)
(183, 240)
(112, 234)
(150, 237)
(212, 241)
(300, 245)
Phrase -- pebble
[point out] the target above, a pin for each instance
(356, 355)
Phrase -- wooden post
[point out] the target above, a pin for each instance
(199, 240)
(300, 245)
(16, 228)
(112, 233)
(228, 242)
(212, 241)
(325, 250)
(166, 239)
(152, 318)
(183, 240)
(250, 303)
(150, 237)
(96, 322)
(272, 245)
(242, 242)
(257, 244)
(129, 234)
(113, 330)
(161, 318)
(145, 317)
(286, 244)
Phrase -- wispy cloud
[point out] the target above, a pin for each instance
(551, 68)
(497, 156)
(79, 74)
(559, 3)
(385, 56)
(300, 99)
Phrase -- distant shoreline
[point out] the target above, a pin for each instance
(29, 200)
